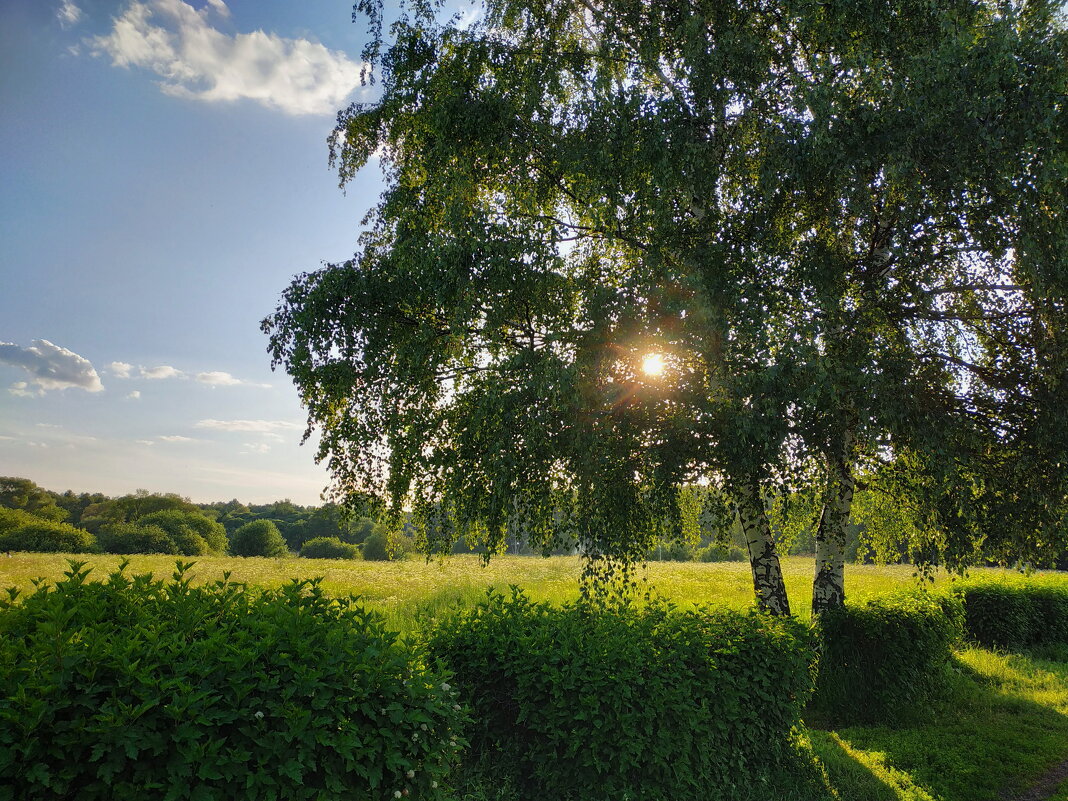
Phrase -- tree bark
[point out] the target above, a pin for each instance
(763, 559)
(828, 585)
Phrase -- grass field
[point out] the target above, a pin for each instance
(1005, 726)
(403, 591)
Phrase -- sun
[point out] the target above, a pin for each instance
(653, 364)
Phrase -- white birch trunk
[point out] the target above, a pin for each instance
(763, 559)
(828, 585)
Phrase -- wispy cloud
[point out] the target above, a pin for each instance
(135, 395)
(195, 60)
(258, 426)
(256, 447)
(217, 378)
(69, 14)
(51, 366)
(176, 438)
(120, 369)
(161, 372)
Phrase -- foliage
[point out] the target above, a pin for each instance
(1015, 615)
(842, 225)
(885, 658)
(376, 547)
(129, 538)
(592, 702)
(328, 548)
(21, 493)
(134, 688)
(14, 518)
(722, 553)
(192, 533)
(45, 536)
(258, 538)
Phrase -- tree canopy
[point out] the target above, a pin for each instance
(837, 228)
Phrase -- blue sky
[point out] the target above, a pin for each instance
(164, 176)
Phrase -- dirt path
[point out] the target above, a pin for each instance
(1044, 787)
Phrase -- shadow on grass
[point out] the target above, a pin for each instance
(1002, 727)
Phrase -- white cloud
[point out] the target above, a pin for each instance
(120, 369)
(144, 442)
(194, 60)
(260, 426)
(257, 447)
(217, 378)
(51, 366)
(176, 438)
(69, 14)
(161, 372)
(136, 394)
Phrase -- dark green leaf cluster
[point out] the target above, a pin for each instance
(137, 688)
(595, 702)
(885, 657)
(329, 548)
(258, 538)
(1012, 616)
(126, 538)
(20, 531)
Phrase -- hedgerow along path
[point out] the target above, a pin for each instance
(998, 737)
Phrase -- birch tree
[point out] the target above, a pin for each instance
(625, 247)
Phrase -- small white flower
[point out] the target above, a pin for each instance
(434, 785)
(259, 715)
(396, 793)
(457, 707)
(446, 686)
(422, 726)
(410, 774)
(415, 737)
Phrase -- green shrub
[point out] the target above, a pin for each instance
(258, 538)
(1008, 615)
(593, 703)
(10, 519)
(127, 538)
(885, 658)
(135, 688)
(192, 533)
(376, 547)
(329, 548)
(722, 553)
(43, 536)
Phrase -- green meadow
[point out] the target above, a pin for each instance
(403, 591)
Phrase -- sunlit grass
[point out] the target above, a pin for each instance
(405, 591)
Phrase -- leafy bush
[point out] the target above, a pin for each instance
(132, 538)
(10, 519)
(258, 538)
(329, 548)
(44, 536)
(1005, 615)
(135, 688)
(192, 533)
(594, 703)
(376, 547)
(722, 553)
(885, 657)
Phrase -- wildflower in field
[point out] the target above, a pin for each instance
(259, 715)
(410, 774)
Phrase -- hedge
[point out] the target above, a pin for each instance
(44, 536)
(136, 688)
(1010, 615)
(594, 703)
(886, 657)
(329, 548)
